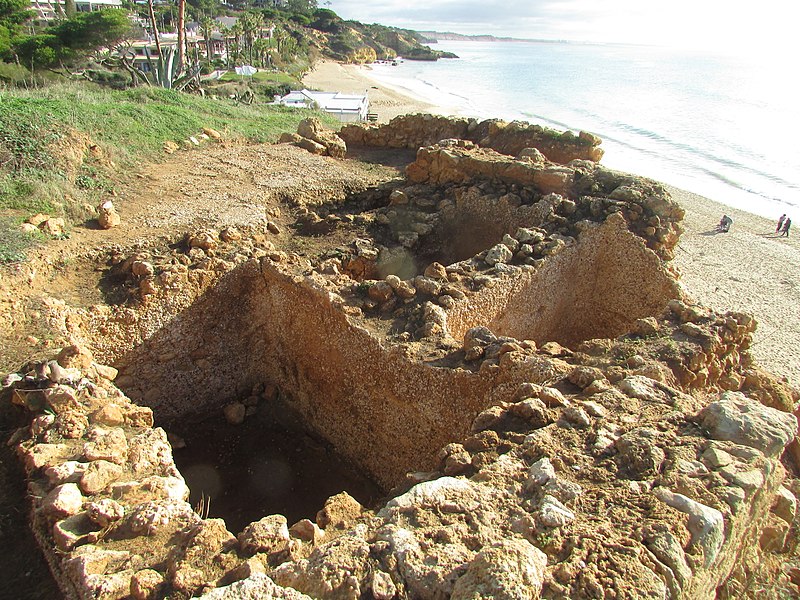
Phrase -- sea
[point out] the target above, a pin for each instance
(725, 126)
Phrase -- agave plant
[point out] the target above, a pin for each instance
(166, 70)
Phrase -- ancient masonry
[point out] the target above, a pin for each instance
(510, 354)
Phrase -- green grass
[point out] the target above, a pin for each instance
(130, 126)
(13, 242)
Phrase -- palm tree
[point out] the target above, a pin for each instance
(236, 32)
(207, 26)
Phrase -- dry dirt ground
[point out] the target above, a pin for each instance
(217, 186)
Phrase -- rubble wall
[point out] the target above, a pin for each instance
(415, 131)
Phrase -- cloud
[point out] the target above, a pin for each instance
(677, 22)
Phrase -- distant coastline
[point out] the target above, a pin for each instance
(431, 37)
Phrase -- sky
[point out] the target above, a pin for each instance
(739, 26)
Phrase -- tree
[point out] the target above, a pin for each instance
(73, 38)
(14, 12)
(207, 26)
(181, 35)
(88, 31)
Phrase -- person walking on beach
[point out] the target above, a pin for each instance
(780, 222)
(786, 224)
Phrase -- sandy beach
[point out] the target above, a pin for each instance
(750, 269)
(384, 101)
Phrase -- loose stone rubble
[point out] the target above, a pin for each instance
(508, 354)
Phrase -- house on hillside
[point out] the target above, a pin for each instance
(47, 10)
(348, 108)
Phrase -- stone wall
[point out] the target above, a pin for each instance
(415, 131)
(592, 191)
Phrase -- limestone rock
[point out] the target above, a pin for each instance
(499, 253)
(583, 376)
(88, 565)
(53, 226)
(639, 456)
(383, 588)
(668, 550)
(149, 452)
(63, 501)
(75, 357)
(200, 547)
(150, 518)
(154, 487)
(552, 513)
(343, 562)
(785, 505)
(507, 570)
(98, 475)
(235, 413)
(107, 444)
(72, 531)
(307, 531)
(105, 511)
(331, 144)
(205, 239)
(110, 415)
(107, 215)
(643, 388)
(436, 270)
(43, 455)
(737, 418)
(540, 473)
(69, 471)
(256, 587)
(267, 535)
(705, 523)
(147, 584)
(71, 424)
(340, 512)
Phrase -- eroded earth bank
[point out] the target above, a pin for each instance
(476, 317)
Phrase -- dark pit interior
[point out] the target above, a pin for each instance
(241, 473)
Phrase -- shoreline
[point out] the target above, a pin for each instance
(749, 269)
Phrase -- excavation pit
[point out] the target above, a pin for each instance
(506, 447)
(243, 472)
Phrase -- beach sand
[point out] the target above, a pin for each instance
(384, 101)
(750, 269)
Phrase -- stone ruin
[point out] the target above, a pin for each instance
(504, 349)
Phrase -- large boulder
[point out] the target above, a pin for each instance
(737, 418)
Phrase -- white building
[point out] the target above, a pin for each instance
(48, 10)
(348, 108)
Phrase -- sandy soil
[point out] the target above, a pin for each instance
(750, 269)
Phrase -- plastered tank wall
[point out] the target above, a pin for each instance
(593, 289)
(385, 412)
